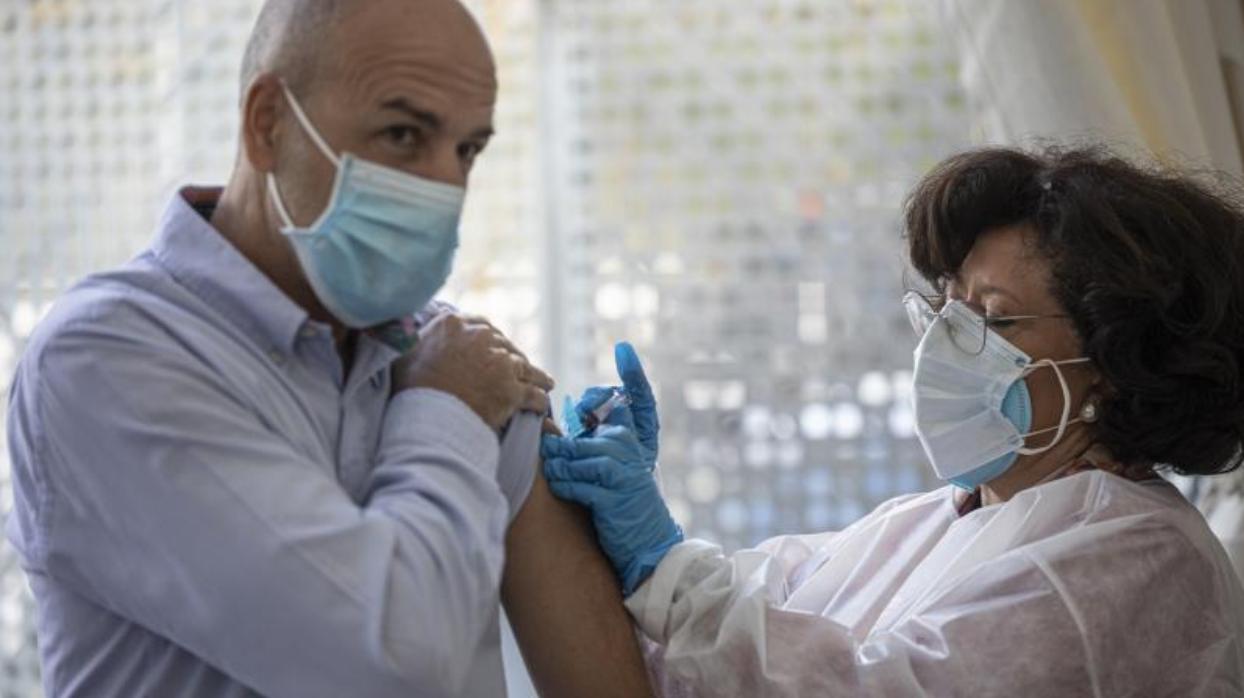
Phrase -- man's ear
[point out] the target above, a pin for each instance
(262, 108)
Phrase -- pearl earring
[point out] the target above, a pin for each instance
(1088, 413)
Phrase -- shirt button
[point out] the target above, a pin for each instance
(309, 332)
(277, 357)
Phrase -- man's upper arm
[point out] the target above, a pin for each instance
(168, 501)
(566, 605)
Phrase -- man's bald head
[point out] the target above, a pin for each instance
(296, 39)
(289, 39)
(409, 85)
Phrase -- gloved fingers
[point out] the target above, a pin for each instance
(596, 396)
(631, 371)
(592, 398)
(554, 447)
(622, 417)
(600, 471)
(643, 402)
(609, 441)
(617, 434)
(570, 418)
(578, 492)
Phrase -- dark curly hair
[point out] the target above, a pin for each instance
(1148, 263)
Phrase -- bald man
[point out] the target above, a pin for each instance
(233, 478)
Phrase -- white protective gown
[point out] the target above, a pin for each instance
(1089, 585)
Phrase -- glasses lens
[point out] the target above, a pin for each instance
(967, 329)
(919, 312)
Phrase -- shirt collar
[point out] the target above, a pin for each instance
(202, 260)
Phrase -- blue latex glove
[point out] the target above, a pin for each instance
(609, 471)
(642, 416)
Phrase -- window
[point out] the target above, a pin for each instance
(717, 182)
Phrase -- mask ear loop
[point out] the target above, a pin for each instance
(280, 205)
(306, 126)
(1063, 421)
(273, 191)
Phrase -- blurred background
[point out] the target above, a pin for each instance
(718, 182)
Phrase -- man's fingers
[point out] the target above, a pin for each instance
(500, 340)
(539, 378)
(535, 400)
(496, 336)
(528, 374)
(472, 318)
(527, 371)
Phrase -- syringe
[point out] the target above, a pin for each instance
(596, 417)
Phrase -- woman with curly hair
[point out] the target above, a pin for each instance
(1083, 330)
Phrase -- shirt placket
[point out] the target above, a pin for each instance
(362, 410)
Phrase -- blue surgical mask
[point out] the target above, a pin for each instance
(1017, 408)
(973, 411)
(384, 244)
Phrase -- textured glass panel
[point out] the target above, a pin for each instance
(729, 178)
(717, 182)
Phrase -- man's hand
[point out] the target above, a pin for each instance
(470, 359)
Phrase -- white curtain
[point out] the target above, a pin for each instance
(1160, 77)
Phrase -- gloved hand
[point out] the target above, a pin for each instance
(642, 416)
(610, 471)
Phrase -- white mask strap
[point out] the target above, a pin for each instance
(306, 126)
(303, 121)
(280, 205)
(1049, 429)
(1063, 421)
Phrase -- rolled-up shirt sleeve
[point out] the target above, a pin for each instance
(168, 501)
(520, 444)
(520, 447)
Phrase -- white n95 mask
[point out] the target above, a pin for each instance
(384, 244)
(972, 410)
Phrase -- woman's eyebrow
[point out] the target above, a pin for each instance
(988, 289)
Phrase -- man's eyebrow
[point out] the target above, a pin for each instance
(425, 117)
(430, 119)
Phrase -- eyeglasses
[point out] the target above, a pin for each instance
(969, 331)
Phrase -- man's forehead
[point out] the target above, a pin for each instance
(382, 57)
(433, 31)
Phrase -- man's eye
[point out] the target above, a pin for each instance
(1000, 323)
(404, 136)
(468, 151)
